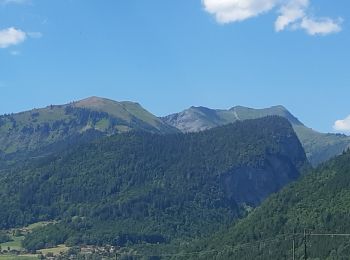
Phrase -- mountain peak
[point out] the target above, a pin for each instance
(280, 108)
(93, 101)
(200, 109)
(100, 103)
(276, 107)
(252, 113)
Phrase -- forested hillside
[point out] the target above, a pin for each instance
(139, 186)
(318, 203)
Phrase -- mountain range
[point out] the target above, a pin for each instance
(319, 147)
(94, 117)
(240, 183)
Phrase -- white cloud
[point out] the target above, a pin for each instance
(11, 36)
(227, 11)
(342, 125)
(290, 13)
(321, 26)
(293, 14)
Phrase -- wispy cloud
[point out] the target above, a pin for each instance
(5, 2)
(342, 125)
(15, 53)
(292, 14)
(35, 35)
(11, 36)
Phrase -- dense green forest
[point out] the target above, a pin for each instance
(319, 203)
(143, 187)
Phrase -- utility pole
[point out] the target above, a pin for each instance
(293, 244)
(305, 245)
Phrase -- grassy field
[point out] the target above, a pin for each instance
(39, 224)
(15, 244)
(56, 250)
(19, 257)
(16, 241)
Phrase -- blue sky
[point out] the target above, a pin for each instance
(169, 55)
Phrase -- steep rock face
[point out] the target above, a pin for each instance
(319, 147)
(318, 202)
(251, 186)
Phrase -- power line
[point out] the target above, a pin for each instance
(234, 248)
(238, 247)
(305, 245)
(329, 234)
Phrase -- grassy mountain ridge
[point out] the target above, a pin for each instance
(140, 186)
(27, 131)
(124, 110)
(319, 147)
